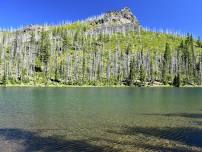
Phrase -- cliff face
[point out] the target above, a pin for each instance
(115, 21)
(124, 16)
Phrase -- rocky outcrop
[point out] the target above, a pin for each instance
(115, 21)
(124, 16)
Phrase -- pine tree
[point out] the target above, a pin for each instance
(176, 81)
(189, 59)
(44, 53)
(65, 42)
(4, 79)
(166, 64)
(199, 43)
(131, 73)
(142, 74)
(83, 65)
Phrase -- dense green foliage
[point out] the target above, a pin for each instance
(71, 55)
(166, 71)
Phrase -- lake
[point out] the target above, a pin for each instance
(100, 119)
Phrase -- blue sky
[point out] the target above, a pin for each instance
(177, 15)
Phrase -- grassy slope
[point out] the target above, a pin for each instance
(148, 41)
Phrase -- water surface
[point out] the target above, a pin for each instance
(100, 119)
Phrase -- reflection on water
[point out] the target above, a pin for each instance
(100, 119)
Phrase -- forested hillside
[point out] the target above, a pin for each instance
(111, 49)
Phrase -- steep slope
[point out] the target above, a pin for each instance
(111, 49)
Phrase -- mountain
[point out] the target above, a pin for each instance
(110, 49)
(113, 21)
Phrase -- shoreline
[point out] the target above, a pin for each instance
(92, 86)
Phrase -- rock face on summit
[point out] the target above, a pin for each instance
(124, 16)
(116, 21)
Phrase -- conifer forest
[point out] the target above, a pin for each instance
(99, 53)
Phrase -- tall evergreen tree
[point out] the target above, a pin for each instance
(131, 73)
(44, 53)
(176, 81)
(44, 48)
(198, 42)
(142, 74)
(166, 64)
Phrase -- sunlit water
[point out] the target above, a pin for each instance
(100, 119)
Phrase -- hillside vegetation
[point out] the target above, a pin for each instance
(99, 54)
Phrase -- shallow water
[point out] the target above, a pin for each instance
(100, 119)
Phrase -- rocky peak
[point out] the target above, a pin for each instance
(123, 16)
